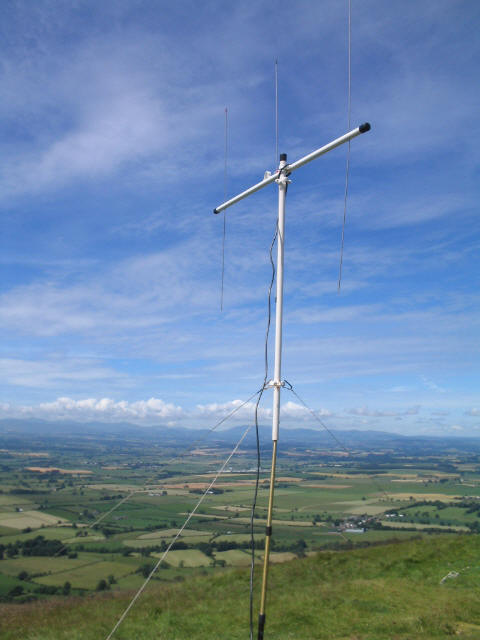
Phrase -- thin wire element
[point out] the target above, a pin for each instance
(349, 118)
(166, 464)
(187, 520)
(257, 477)
(225, 198)
(276, 113)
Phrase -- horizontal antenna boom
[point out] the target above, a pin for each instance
(296, 165)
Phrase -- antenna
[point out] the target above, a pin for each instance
(281, 177)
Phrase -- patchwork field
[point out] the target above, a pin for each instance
(75, 472)
(105, 529)
(88, 575)
(169, 533)
(32, 519)
(418, 495)
(45, 565)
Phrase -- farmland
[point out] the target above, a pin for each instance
(398, 590)
(96, 512)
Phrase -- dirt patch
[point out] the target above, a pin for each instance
(205, 485)
(29, 454)
(343, 476)
(32, 519)
(74, 472)
(416, 525)
(443, 497)
(328, 486)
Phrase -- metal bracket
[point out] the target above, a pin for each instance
(283, 178)
(272, 384)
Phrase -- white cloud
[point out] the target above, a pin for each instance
(474, 411)
(376, 413)
(154, 409)
(98, 409)
(292, 410)
(106, 408)
(217, 411)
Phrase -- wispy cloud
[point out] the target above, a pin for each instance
(430, 384)
(55, 372)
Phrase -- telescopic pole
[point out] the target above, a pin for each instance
(281, 178)
(276, 383)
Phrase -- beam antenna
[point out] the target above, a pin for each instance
(281, 177)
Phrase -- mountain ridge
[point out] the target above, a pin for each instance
(299, 437)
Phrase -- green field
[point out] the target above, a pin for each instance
(12, 501)
(87, 575)
(235, 557)
(41, 565)
(187, 558)
(367, 594)
(51, 533)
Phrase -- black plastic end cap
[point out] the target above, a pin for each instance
(363, 128)
(215, 211)
(283, 156)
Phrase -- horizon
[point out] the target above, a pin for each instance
(266, 427)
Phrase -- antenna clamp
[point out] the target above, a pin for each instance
(274, 383)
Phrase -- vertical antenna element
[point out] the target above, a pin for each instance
(349, 117)
(224, 214)
(276, 114)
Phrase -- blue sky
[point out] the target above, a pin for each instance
(112, 144)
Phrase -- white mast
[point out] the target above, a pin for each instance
(281, 178)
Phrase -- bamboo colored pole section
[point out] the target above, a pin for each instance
(268, 537)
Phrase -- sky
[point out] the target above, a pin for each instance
(112, 135)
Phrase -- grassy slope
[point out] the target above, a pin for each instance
(386, 592)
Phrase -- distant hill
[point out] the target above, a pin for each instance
(368, 440)
(396, 591)
(300, 438)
